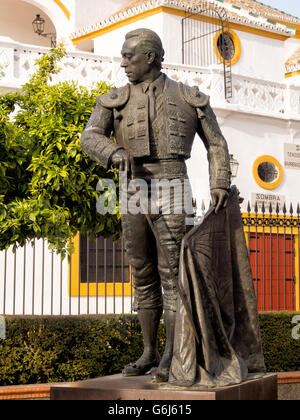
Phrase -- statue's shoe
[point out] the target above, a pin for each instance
(134, 369)
(160, 375)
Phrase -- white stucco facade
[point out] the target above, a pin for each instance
(110, 44)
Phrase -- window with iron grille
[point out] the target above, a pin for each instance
(99, 268)
(103, 261)
(206, 40)
(226, 46)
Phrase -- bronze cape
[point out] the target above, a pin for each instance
(216, 280)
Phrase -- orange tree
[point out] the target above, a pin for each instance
(47, 183)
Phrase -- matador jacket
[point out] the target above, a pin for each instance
(124, 112)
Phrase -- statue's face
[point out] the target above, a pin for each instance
(135, 63)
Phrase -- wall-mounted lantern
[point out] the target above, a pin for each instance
(234, 166)
(39, 29)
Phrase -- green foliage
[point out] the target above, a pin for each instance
(41, 350)
(281, 350)
(62, 349)
(47, 183)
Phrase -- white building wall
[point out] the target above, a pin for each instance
(248, 138)
(172, 38)
(110, 44)
(87, 12)
(294, 80)
(261, 57)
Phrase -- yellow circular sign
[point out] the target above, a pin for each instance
(267, 172)
(237, 47)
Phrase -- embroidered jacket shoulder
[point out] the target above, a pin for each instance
(193, 96)
(117, 97)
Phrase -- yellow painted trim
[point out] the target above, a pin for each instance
(289, 24)
(292, 74)
(267, 185)
(84, 289)
(63, 8)
(177, 12)
(258, 32)
(237, 47)
(74, 267)
(117, 25)
(281, 231)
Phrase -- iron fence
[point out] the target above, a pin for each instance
(97, 279)
(94, 280)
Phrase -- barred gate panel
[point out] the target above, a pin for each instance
(274, 247)
(272, 261)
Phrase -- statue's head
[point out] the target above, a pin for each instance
(142, 53)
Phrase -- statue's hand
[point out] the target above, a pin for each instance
(219, 198)
(121, 160)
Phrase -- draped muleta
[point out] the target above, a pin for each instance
(223, 346)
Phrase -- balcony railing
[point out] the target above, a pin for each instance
(250, 95)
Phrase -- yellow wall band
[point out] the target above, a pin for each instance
(117, 25)
(292, 74)
(108, 289)
(259, 181)
(170, 10)
(291, 25)
(63, 8)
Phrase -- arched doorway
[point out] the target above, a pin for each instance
(16, 18)
(206, 40)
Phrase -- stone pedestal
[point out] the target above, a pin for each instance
(119, 388)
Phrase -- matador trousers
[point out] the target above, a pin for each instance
(152, 280)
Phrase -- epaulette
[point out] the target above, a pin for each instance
(115, 98)
(193, 96)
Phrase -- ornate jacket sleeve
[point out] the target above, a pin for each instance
(95, 139)
(217, 149)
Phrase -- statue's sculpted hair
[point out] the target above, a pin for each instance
(148, 41)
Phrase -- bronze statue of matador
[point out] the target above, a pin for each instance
(154, 120)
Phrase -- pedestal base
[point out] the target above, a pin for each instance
(117, 387)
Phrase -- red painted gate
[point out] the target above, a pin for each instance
(273, 266)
